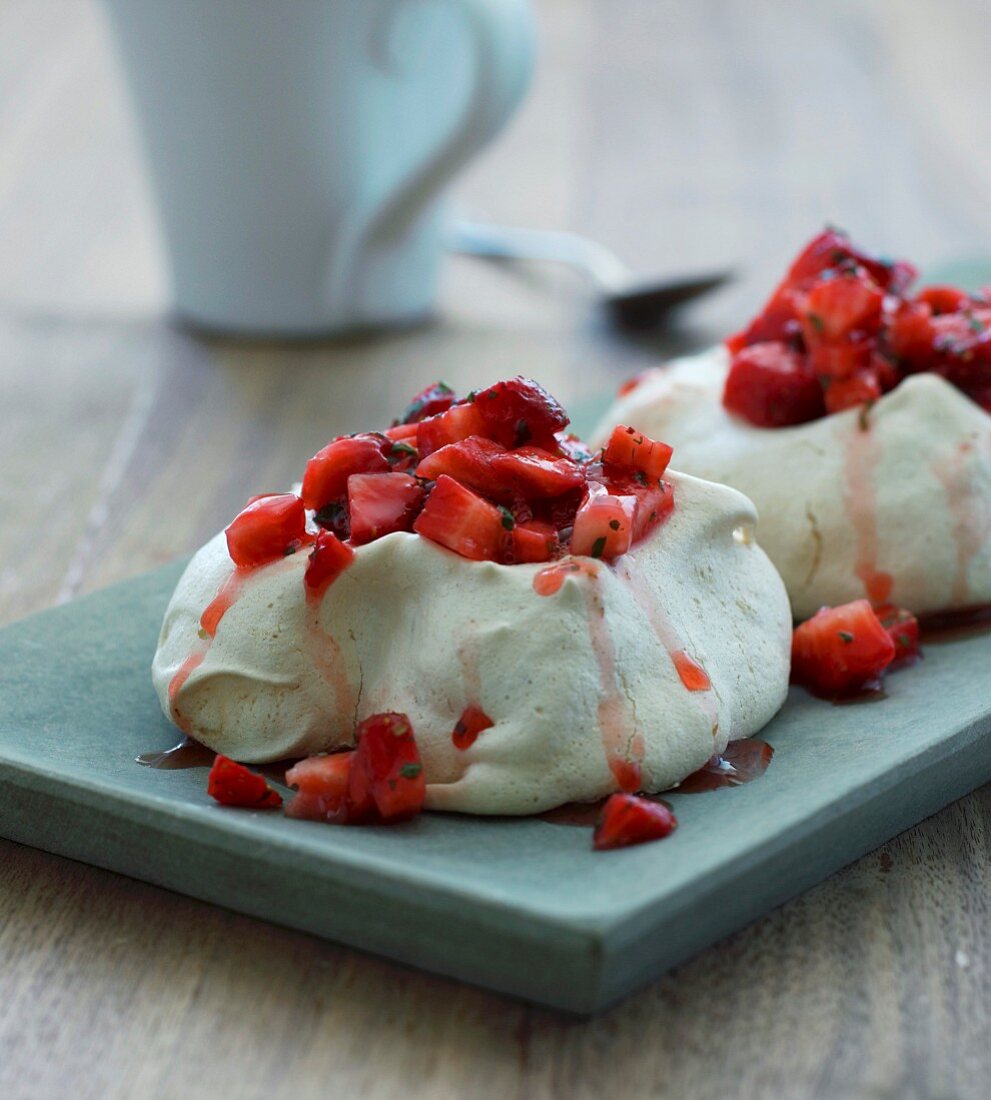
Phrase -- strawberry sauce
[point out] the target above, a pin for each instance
(549, 581)
(863, 456)
(971, 522)
(692, 674)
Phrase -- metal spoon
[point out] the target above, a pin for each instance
(631, 303)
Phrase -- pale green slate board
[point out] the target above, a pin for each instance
(523, 907)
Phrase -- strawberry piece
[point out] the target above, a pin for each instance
(468, 461)
(632, 450)
(322, 787)
(534, 541)
(841, 650)
(269, 528)
(382, 503)
(520, 411)
(604, 524)
(536, 474)
(327, 472)
(232, 784)
(772, 387)
(472, 722)
(848, 393)
(328, 559)
(459, 422)
(630, 819)
(436, 398)
(387, 768)
(903, 629)
(944, 299)
(462, 521)
(910, 334)
(402, 433)
(835, 308)
(654, 502)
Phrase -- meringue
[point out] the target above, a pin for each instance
(892, 503)
(581, 683)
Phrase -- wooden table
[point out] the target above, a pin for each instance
(685, 135)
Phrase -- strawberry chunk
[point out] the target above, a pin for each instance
(459, 422)
(835, 308)
(841, 650)
(536, 474)
(436, 398)
(848, 393)
(462, 521)
(269, 528)
(468, 461)
(772, 387)
(533, 541)
(630, 819)
(328, 559)
(322, 787)
(382, 503)
(327, 472)
(232, 784)
(387, 768)
(402, 433)
(604, 524)
(520, 411)
(632, 450)
(472, 722)
(944, 299)
(903, 629)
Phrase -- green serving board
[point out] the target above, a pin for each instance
(521, 906)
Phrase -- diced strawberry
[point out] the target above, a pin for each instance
(436, 398)
(520, 411)
(910, 334)
(848, 393)
(387, 768)
(328, 559)
(944, 299)
(630, 819)
(232, 784)
(604, 524)
(468, 461)
(841, 360)
(772, 387)
(462, 521)
(459, 422)
(903, 629)
(835, 308)
(841, 650)
(402, 455)
(382, 503)
(269, 528)
(327, 472)
(472, 722)
(322, 787)
(654, 502)
(536, 474)
(402, 433)
(533, 541)
(632, 450)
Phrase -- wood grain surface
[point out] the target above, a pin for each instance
(686, 135)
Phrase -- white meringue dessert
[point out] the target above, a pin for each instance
(596, 675)
(899, 511)
(884, 491)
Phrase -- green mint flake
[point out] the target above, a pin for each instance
(816, 322)
(598, 547)
(846, 636)
(410, 771)
(614, 524)
(507, 518)
(904, 641)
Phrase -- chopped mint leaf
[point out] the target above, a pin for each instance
(846, 636)
(598, 547)
(410, 771)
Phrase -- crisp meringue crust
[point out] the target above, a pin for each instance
(893, 503)
(576, 682)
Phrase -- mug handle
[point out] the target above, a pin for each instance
(502, 45)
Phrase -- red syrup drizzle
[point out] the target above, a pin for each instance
(190, 753)
(741, 762)
(863, 454)
(938, 627)
(692, 674)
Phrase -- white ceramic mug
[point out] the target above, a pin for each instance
(298, 147)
